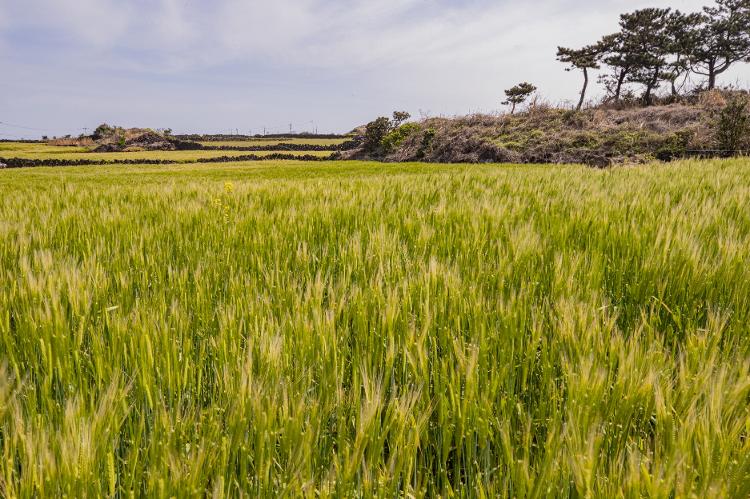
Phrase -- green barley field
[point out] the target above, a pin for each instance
(271, 142)
(74, 154)
(289, 329)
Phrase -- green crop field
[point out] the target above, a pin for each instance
(271, 142)
(360, 329)
(71, 154)
(25, 149)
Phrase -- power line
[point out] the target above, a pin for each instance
(11, 125)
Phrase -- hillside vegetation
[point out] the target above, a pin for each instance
(359, 329)
(713, 123)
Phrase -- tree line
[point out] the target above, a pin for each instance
(660, 46)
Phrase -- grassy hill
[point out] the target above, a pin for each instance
(599, 136)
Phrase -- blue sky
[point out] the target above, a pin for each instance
(221, 65)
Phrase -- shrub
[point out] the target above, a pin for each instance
(102, 131)
(375, 132)
(733, 127)
(675, 146)
(377, 141)
(427, 138)
(397, 136)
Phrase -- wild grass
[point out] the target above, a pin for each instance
(359, 329)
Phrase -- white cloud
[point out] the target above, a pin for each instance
(175, 35)
(298, 59)
(100, 23)
(171, 24)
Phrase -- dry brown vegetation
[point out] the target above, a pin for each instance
(544, 134)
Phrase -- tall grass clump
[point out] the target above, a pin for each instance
(358, 329)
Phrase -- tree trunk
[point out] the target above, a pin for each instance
(711, 75)
(513, 108)
(583, 91)
(675, 75)
(620, 82)
(650, 87)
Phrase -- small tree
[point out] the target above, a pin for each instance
(723, 38)
(375, 131)
(618, 54)
(518, 95)
(683, 39)
(583, 59)
(649, 46)
(399, 117)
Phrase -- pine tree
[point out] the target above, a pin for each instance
(683, 40)
(649, 45)
(724, 39)
(617, 54)
(583, 59)
(518, 95)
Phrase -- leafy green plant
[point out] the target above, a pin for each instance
(426, 143)
(733, 126)
(375, 132)
(103, 131)
(397, 136)
(382, 134)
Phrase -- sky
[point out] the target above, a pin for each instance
(215, 66)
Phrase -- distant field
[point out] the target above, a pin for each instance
(271, 142)
(49, 152)
(290, 329)
(43, 152)
(18, 149)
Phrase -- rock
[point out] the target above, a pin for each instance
(108, 148)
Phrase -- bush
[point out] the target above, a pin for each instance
(397, 137)
(427, 138)
(733, 127)
(103, 131)
(375, 132)
(376, 141)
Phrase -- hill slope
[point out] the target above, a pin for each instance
(598, 136)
